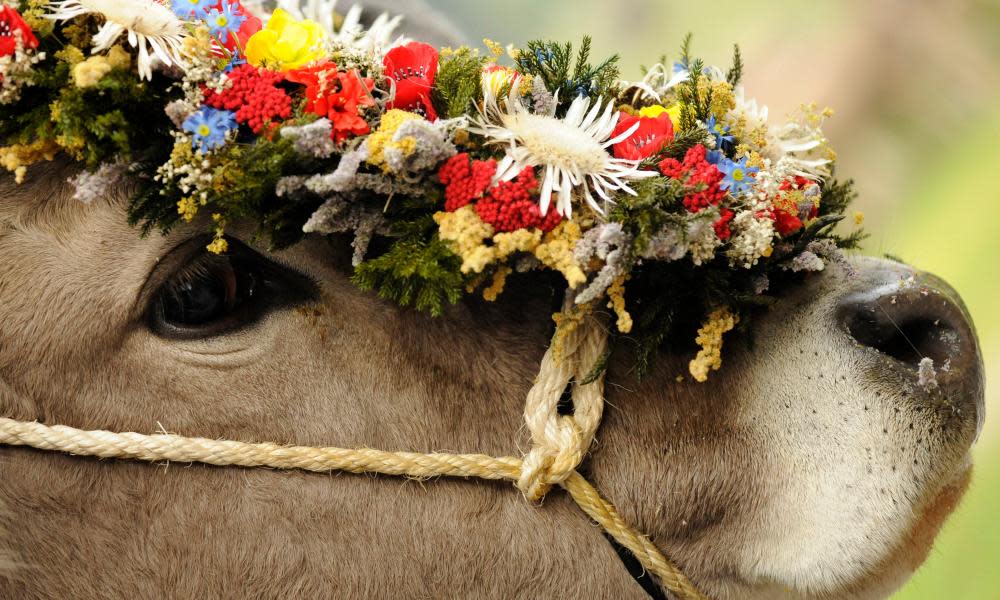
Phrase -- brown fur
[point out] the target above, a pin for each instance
(796, 472)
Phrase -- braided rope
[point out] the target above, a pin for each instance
(560, 442)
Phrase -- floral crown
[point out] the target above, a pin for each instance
(670, 199)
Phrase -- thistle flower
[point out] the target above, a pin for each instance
(151, 27)
(572, 151)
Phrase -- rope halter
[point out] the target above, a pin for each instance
(559, 445)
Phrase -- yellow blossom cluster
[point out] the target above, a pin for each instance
(18, 157)
(556, 252)
(616, 302)
(479, 246)
(187, 208)
(219, 244)
(493, 291)
(465, 232)
(89, 72)
(383, 137)
(709, 358)
(722, 98)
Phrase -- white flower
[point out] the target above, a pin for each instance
(658, 80)
(752, 239)
(572, 151)
(795, 146)
(151, 27)
(352, 34)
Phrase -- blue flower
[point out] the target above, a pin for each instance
(192, 9)
(739, 177)
(714, 156)
(209, 127)
(228, 20)
(235, 60)
(723, 140)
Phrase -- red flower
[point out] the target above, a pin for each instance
(722, 225)
(785, 222)
(651, 136)
(11, 22)
(513, 205)
(337, 96)
(799, 183)
(700, 175)
(254, 96)
(413, 67)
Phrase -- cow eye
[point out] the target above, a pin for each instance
(210, 294)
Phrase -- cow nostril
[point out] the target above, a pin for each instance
(913, 320)
(908, 340)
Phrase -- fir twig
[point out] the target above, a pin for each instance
(735, 74)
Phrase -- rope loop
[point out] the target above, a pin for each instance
(560, 442)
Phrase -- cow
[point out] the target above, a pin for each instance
(818, 463)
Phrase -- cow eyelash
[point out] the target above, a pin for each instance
(212, 295)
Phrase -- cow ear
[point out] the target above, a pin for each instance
(420, 21)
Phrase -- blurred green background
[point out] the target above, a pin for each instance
(916, 88)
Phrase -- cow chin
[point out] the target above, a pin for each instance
(814, 464)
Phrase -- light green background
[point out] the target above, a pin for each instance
(916, 86)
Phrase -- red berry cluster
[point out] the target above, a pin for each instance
(513, 205)
(696, 172)
(466, 180)
(507, 206)
(254, 96)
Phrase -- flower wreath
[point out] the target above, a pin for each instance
(670, 199)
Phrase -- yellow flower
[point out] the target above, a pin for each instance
(709, 338)
(285, 43)
(674, 112)
(383, 136)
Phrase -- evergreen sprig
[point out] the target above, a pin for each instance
(735, 73)
(457, 87)
(554, 63)
(419, 270)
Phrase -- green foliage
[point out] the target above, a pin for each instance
(645, 214)
(735, 73)
(695, 105)
(683, 141)
(837, 197)
(457, 87)
(418, 270)
(109, 120)
(555, 64)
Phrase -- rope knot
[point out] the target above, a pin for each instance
(560, 442)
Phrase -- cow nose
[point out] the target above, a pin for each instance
(916, 318)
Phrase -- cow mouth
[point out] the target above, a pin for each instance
(915, 543)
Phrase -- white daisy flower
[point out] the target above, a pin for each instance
(151, 27)
(572, 151)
